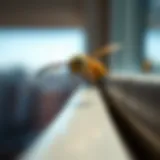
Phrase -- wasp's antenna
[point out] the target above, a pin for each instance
(106, 50)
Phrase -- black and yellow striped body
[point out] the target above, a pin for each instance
(88, 67)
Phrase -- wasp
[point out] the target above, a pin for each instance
(88, 66)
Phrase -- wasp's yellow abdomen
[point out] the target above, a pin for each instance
(89, 68)
(96, 69)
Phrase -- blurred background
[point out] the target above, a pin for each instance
(34, 33)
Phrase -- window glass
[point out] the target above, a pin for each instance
(152, 38)
(33, 48)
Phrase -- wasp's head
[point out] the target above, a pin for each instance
(77, 63)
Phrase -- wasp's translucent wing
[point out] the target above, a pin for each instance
(53, 67)
(106, 50)
(57, 77)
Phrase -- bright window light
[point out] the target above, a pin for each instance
(34, 48)
(152, 46)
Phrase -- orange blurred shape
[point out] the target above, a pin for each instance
(147, 66)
